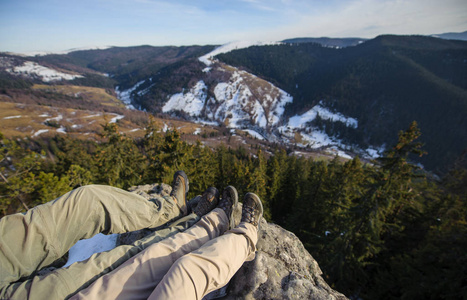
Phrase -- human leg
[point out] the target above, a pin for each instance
(37, 238)
(211, 267)
(138, 276)
(65, 282)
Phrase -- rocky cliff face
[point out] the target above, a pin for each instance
(282, 269)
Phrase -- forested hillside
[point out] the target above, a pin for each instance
(382, 231)
(126, 65)
(385, 83)
(382, 84)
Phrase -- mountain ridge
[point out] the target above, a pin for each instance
(385, 83)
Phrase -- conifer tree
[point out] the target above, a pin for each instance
(152, 146)
(202, 169)
(120, 162)
(257, 181)
(276, 168)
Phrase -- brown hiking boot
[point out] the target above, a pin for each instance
(180, 186)
(208, 201)
(252, 210)
(228, 203)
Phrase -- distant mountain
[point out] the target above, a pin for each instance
(384, 83)
(337, 95)
(462, 36)
(327, 42)
(125, 65)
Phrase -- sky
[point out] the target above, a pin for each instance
(55, 25)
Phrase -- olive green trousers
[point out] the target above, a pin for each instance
(41, 236)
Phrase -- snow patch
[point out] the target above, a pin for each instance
(300, 121)
(116, 118)
(92, 116)
(125, 95)
(57, 118)
(316, 139)
(61, 130)
(12, 117)
(39, 132)
(208, 58)
(336, 151)
(30, 68)
(191, 102)
(255, 134)
(374, 153)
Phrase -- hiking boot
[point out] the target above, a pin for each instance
(180, 186)
(193, 203)
(208, 201)
(252, 210)
(228, 203)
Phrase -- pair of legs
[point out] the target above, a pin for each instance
(189, 264)
(36, 239)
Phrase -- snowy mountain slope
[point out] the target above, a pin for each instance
(219, 94)
(299, 121)
(245, 101)
(34, 70)
(208, 58)
(242, 101)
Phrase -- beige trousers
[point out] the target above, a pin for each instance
(187, 265)
(31, 241)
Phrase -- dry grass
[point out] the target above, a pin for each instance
(97, 95)
(25, 120)
(21, 120)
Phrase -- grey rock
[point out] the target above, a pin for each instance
(282, 269)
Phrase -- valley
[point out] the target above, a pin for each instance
(335, 97)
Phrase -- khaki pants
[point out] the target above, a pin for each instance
(36, 239)
(187, 265)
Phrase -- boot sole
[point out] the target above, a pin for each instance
(234, 204)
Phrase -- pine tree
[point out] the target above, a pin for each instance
(120, 162)
(276, 168)
(257, 181)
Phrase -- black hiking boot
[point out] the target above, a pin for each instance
(252, 210)
(208, 201)
(228, 203)
(180, 186)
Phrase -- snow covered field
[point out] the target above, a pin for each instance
(30, 68)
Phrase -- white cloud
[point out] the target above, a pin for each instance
(369, 18)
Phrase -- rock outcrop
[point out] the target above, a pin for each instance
(282, 269)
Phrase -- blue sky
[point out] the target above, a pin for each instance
(55, 25)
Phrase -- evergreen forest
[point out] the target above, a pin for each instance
(380, 230)
(385, 83)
